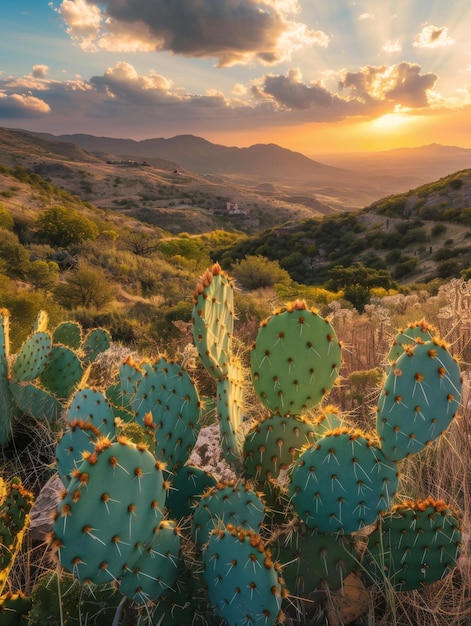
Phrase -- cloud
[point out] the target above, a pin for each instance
(17, 106)
(433, 37)
(152, 104)
(392, 45)
(40, 71)
(400, 84)
(232, 31)
(366, 16)
(292, 93)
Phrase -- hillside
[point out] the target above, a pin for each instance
(418, 236)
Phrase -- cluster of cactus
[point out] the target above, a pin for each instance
(46, 370)
(189, 549)
(15, 506)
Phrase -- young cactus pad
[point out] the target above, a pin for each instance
(213, 321)
(415, 544)
(110, 511)
(419, 399)
(342, 483)
(295, 360)
(244, 585)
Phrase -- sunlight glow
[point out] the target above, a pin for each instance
(390, 121)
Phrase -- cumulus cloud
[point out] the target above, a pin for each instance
(19, 106)
(150, 101)
(232, 31)
(366, 16)
(40, 71)
(401, 84)
(433, 37)
(291, 92)
(392, 45)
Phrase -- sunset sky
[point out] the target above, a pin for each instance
(312, 76)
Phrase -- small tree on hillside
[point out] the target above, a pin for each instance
(256, 271)
(62, 227)
(356, 281)
(85, 286)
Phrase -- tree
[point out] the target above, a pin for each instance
(63, 227)
(43, 274)
(188, 248)
(356, 281)
(85, 286)
(256, 271)
(141, 244)
(14, 258)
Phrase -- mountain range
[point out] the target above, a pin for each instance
(270, 183)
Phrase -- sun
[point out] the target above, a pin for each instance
(390, 121)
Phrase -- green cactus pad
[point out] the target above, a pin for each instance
(185, 604)
(213, 321)
(41, 322)
(342, 483)
(225, 504)
(14, 608)
(329, 419)
(414, 333)
(36, 402)
(188, 486)
(295, 360)
(167, 393)
(119, 402)
(97, 341)
(68, 334)
(110, 511)
(92, 406)
(244, 585)
(157, 569)
(311, 560)
(415, 544)
(419, 399)
(32, 357)
(15, 511)
(90, 417)
(130, 375)
(8, 409)
(63, 372)
(230, 412)
(274, 443)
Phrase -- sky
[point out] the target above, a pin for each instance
(313, 76)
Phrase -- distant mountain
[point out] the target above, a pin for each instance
(199, 155)
(423, 164)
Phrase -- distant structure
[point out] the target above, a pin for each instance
(232, 208)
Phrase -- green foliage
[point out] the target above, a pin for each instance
(85, 286)
(14, 258)
(256, 271)
(357, 281)
(43, 274)
(62, 227)
(7, 221)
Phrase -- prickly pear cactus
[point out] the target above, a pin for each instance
(419, 399)
(15, 510)
(295, 360)
(343, 482)
(110, 511)
(274, 443)
(415, 544)
(244, 584)
(415, 332)
(224, 504)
